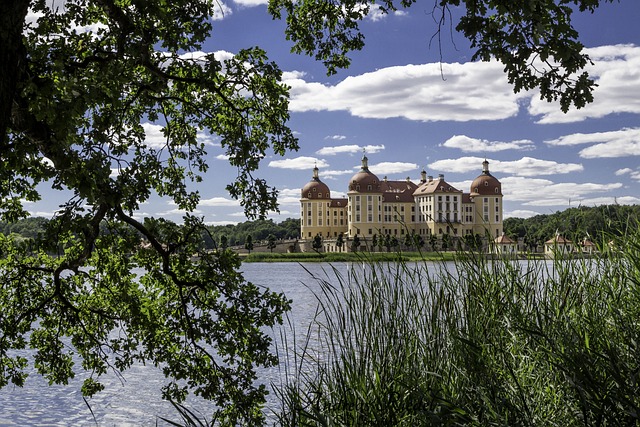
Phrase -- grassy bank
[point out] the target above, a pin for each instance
(486, 343)
(349, 257)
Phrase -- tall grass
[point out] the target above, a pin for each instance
(476, 342)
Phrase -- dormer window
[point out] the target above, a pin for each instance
(357, 188)
(486, 183)
(319, 195)
(476, 190)
(309, 195)
(496, 190)
(369, 187)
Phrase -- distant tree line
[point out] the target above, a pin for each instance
(216, 235)
(259, 230)
(575, 224)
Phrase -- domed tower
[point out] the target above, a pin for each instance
(315, 189)
(365, 200)
(486, 195)
(313, 198)
(485, 184)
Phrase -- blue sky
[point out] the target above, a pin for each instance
(410, 112)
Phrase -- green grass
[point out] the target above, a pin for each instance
(348, 256)
(477, 342)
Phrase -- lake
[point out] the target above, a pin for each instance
(134, 399)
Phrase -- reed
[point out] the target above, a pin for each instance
(475, 342)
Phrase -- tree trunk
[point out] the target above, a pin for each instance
(12, 57)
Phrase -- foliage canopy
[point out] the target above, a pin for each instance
(100, 289)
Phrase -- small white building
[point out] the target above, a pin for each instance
(558, 246)
(503, 245)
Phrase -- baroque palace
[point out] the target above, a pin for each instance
(384, 207)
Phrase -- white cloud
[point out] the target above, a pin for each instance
(289, 196)
(350, 149)
(335, 137)
(250, 3)
(544, 192)
(611, 149)
(219, 201)
(611, 200)
(154, 138)
(615, 69)
(620, 143)
(334, 174)
(520, 213)
(221, 11)
(526, 166)
(468, 144)
(222, 157)
(392, 167)
(428, 92)
(298, 163)
(177, 212)
(623, 171)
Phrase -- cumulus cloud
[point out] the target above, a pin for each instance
(289, 196)
(298, 163)
(154, 138)
(219, 201)
(620, 143)
(335, 174)
(335, 137)
(250, 3)
(392, 167)
(520, 213)
(544, 192)
(349, 149)
(623, 171)
(475, 145)
(526, 166)
(376, 13)
(469, 91)
(615, 69)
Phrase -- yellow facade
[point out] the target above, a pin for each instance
(384, 207)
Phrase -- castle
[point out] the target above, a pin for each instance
(383, 207)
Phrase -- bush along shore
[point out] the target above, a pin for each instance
(476, 342)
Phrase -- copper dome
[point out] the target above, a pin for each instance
(315, 189)
(486, 184)
(364, 181)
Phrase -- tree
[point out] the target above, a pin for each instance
(248, 243)
(445, 241)
(387, 242)
(534, 40)
(224, 242)
(340, 242)
(418, 241)
(81, 86)
(271, 242)
(374, 242)
(355, 243)
(316, 244)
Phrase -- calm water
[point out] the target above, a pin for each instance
(134, 399)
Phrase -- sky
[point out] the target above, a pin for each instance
(411, 104)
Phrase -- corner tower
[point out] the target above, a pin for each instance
(486, 195)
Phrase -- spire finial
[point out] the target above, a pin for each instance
(485, 167)
(365, 160)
